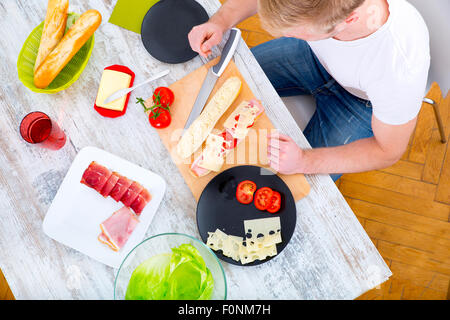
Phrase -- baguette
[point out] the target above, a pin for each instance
(199, 130)
(72, 41)
(54, 28)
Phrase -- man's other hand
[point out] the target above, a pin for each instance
(284, 155)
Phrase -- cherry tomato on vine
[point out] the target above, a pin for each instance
(163, 96)
(160, 118)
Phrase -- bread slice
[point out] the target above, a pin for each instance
(199, 130)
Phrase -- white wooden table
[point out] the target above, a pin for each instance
(329, 256)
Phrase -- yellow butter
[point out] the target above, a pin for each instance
(110, 82)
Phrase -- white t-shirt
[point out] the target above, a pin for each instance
(389, 67)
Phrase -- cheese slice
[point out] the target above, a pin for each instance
(216, 240)
(232, 246)
(239, 121)
(199, 130)
(212, 156)
(262, 242)
(261, 237)
(247, 256)
(250, 249)
(268, 228)
(111, 82)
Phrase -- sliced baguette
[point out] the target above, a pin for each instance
(199, 130)
(240, 121)
(212, 155)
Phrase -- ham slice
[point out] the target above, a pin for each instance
(141, 201)
(131, 194)
(198, 171)
(120, 188)
(95, 176)
(117, 228)
(109, 185)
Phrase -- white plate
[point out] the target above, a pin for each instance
(76, 212)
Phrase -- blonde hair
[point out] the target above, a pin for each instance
(277, 15)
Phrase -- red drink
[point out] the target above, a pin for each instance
(38, 128)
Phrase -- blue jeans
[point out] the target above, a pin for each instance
(293, 69)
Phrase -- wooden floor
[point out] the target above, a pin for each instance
(5, 292)
(404, 209)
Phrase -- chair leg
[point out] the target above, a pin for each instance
(437, 113)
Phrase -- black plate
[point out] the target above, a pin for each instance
(218, 208)
(165, 29)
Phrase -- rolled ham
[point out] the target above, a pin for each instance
(116, 230)
(95, 176)
(120, 188)
(131, 194)
(141, 201)
(109, 185)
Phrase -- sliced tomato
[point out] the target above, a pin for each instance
(263, 197)
(160, 118)
(237, 119)
(163, 96)
(275, 202)
(230, 142)
(245, 191)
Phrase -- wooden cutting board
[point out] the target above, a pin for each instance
(251, 151)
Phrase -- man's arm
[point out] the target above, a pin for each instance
(205, 36)
(380, 151)
(234, 11)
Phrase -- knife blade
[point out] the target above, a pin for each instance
(213, 74)
(122, 92)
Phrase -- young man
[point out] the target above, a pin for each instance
(365, 61)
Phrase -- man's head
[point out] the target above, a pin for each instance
(308, 19)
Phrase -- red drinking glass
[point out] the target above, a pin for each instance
(37, 128)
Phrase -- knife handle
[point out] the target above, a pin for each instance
(227, 52)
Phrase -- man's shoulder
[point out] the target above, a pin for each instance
(402, 55)
(409, 35)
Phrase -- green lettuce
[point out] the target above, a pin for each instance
(180, 275)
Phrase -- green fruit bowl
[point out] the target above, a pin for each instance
(68, 75)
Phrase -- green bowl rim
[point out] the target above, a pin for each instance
(74, 77)
(176, 234)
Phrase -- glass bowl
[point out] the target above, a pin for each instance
(163, 243)
(68, 75)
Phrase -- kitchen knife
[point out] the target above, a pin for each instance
(122, 92)
(213, 74)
